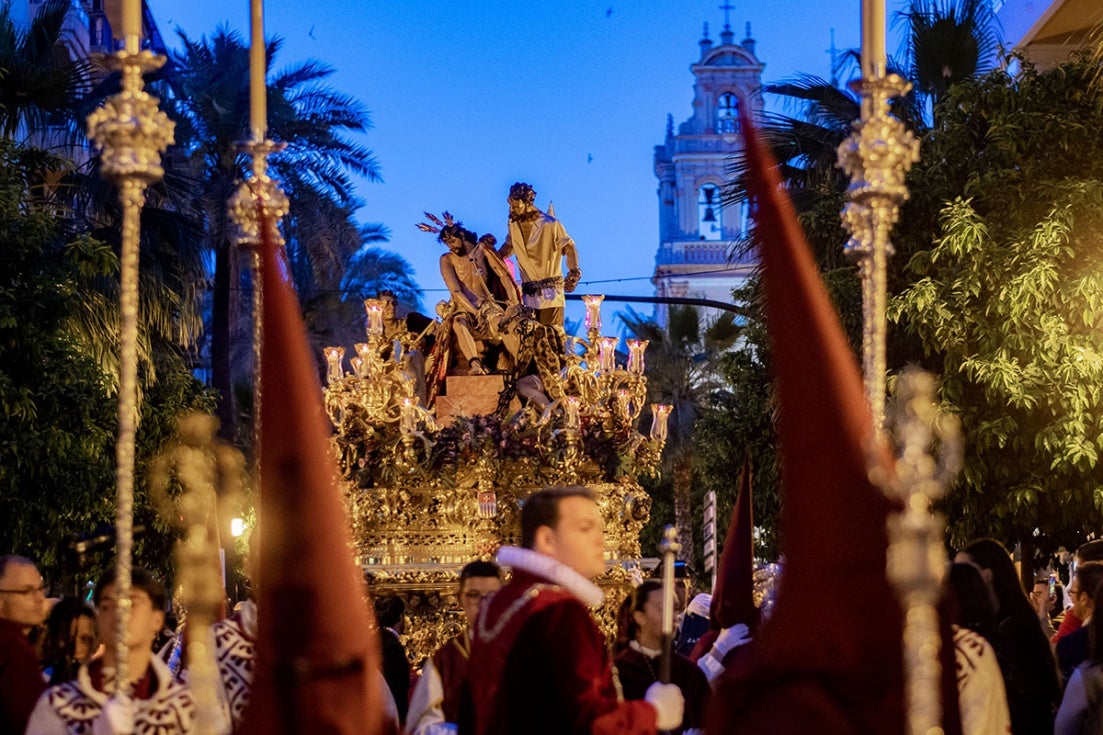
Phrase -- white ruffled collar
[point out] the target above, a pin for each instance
(640, 648)
(533, 562)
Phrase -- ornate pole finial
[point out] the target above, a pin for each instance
(877, 157)
(131, 133)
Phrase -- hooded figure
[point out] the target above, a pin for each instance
(317, 655)
(829, 660)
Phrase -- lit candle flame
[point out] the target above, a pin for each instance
(334, 356)
(636, 350)
(660, 412)
(607, 353)
(593, 311)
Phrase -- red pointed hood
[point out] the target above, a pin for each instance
(733, 595)
(317, 650)
(829, 659)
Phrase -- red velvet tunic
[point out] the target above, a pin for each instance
(450, 661)
(539, 666)
(20, 680)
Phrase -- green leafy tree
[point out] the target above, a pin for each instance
(58, 411)
(682, 364)
(1006, 298)
(738, 422)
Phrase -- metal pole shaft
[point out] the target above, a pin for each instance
(132, 197)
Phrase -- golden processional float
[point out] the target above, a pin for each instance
(431, 489)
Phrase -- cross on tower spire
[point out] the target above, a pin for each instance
(727, 7)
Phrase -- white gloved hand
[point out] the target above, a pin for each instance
(669, 705)
(117, 717)
(730, 638)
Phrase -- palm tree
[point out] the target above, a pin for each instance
(207, 93)
(41, 85)
(948, 41)
(683, 362)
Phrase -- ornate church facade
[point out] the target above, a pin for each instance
(696, 230)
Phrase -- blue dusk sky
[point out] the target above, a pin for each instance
(569, 95)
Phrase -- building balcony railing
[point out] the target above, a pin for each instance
(705, 252)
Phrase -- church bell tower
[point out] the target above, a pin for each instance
(696, 231)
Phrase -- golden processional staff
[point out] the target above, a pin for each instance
(877, 157)
(258, 203)
(131, 133)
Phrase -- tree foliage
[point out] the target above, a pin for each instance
(41, 85)
(206, 91)
(682, 362)
(58, 411)
(1005, 298)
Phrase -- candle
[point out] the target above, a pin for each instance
(407, 422)
(593, 312)
(258, 90)
(132, 25)
(873, 39)
(660, 412)
(334, 356)
(374, 309)
(636, 350)
(571, 406)
(357, 367)
(607, 353)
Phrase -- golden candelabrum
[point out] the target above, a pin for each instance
(379, 393)
(426, 498)
(917, 552)
(877, 157)
(131, 133)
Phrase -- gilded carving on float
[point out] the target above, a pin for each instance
(425, 496)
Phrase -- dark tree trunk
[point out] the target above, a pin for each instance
(683, 511)
(221, 379)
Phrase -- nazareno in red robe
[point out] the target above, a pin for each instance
(539, 665)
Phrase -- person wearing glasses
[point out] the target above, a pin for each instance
(435, 704)
(1073, 649)
(22, 607)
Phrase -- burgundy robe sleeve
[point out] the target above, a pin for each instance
(21, 683)
(580, 672)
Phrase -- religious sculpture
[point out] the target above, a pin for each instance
(483, 296)
(539, 242)
(483, 320)
(411, 338)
